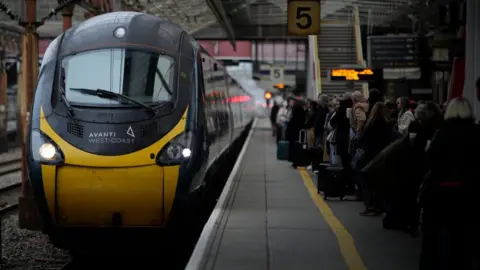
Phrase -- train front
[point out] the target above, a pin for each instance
(107, 134)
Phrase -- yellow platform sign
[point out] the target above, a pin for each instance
(303, 17)
(346, 74)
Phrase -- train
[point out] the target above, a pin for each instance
(129, 116)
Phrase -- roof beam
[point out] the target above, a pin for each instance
(422, 12)
(217, 8)
(247, 32)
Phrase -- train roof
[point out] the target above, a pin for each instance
(141, 30)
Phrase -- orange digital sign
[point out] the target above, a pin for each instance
(351, 74)
(279, 86)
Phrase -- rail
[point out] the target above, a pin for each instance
(358, 44)
(316, 72)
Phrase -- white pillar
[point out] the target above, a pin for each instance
(472, 56)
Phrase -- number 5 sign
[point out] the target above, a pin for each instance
(276, 74)
(303, 17)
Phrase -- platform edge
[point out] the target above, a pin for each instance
(199, 255)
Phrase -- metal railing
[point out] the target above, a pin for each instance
(358, 44)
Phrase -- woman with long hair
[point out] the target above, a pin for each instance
(449, 193)
(376, 135)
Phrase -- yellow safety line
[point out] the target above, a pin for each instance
(345, 240)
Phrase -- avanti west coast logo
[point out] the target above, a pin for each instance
(110, 137)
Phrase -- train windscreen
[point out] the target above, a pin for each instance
(145, 77)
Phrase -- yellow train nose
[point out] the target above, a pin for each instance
(104, 197)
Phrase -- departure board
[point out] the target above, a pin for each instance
(393, 51)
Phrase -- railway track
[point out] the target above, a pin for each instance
(10, 166)
(9, 194)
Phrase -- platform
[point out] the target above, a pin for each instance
(270, 217)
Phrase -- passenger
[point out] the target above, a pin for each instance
(295, 125)
(375, 136)
(341, 124)
(405, 116)
(273, 117)
(359, 112)
(282, 120)
(449, 193)
(393, 113)
(374, 96)
(405, 211)
(310, 123)
(322, 112)
(329, 154)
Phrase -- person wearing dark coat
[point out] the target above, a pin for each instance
(374, 96)
(319, 126)
(341, 123)
(375, 136)
(295, 125)
(449, 193)
(273, 118)
(310, 124)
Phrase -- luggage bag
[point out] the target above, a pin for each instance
(321, 176)
(333, 183)
(283, 150)
(300, 155)
(283, 147)
(316, 156)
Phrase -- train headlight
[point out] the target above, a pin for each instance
(176, 151)
(44, 150)
(47, 151)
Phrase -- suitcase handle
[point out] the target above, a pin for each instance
(302, 136)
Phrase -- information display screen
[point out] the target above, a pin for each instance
(393, 51)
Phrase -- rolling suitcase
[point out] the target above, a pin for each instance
(321, 176)
(334, 186)
(300, 155)
(283, 148)
(316, 156)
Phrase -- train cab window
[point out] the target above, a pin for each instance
(146, 77)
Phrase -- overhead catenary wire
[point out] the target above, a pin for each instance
(15, 17)
(63, 4)
(5, 9)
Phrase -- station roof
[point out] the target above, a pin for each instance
(258, 19)
(268, 18)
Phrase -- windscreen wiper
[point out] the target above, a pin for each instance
(112, 95)
(63, 95)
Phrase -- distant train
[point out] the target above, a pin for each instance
(129, 115)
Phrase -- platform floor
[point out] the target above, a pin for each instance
(274, 219)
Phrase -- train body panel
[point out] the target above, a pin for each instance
(137, 150)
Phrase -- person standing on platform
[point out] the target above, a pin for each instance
(374, 96)
(359, 112)
(273, 117)
(310, 123)
(282, 120)
(405, 116)
(321, 116)
(449, 193)
(295, 124)
(341, 124)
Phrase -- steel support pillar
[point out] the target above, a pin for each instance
(67, 15)
(28, 212)
(472, 57)
(3, 103)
